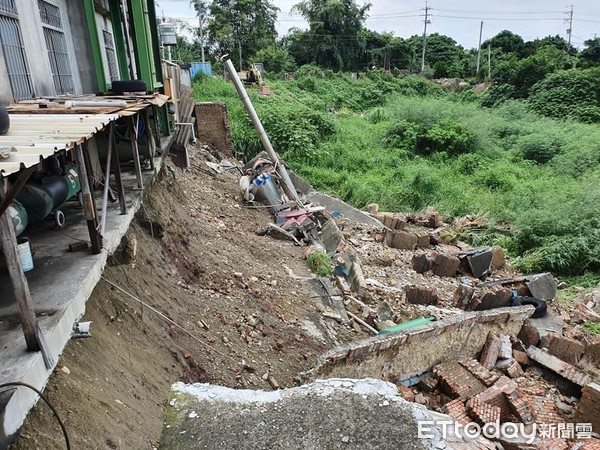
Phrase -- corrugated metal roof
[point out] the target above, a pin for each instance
(35, 136)
(32, 137)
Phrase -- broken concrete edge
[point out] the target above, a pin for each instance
(184, 397)
(559, 366)
(401, 355)
(37, 375)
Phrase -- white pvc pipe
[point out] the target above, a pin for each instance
(288, 185)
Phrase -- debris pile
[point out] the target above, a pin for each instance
(403, 274)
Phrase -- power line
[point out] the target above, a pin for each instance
(498, 12)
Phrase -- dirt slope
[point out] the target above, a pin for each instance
(193, 254)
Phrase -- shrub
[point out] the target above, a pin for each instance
(573, 94)
(539, 147)
(319, 263)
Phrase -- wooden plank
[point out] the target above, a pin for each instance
(19, 283)
(89, 207)
(135, 151)
(149, 137)
(9, 196)
(117, 169)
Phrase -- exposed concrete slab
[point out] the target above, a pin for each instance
(542, 286)
(60, 284)
(562, 368)
(331, 414)
(550, 323)
(333, 204)
(405, 354)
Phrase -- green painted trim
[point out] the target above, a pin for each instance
(141, 49)
(153, 24)
(90, 17)
(115, 18)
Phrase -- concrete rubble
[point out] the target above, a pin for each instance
(332, 414)
(455, 330)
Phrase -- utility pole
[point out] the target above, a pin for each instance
(201, 10)
(570, 22)
(426, 21)
(479, 50)
(489, 63)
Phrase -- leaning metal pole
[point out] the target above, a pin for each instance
(288, 185)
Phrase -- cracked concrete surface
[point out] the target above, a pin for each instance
(333, 414)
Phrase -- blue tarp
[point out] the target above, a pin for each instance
(197, 67)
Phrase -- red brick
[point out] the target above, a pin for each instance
(489, 354)
(457, 410)
(457, 382)
(588, 410)
(484, 375)
(482, 412)
(520, 408)
(421, 296)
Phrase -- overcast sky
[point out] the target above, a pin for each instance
(459, 19)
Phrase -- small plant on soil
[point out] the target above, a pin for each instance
(319, 263)
(592, 327)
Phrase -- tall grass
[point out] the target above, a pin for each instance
(403, 143)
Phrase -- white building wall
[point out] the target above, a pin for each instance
(36, 51)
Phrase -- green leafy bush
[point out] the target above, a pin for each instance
(539, 147)
(573, 94)
(447, 136)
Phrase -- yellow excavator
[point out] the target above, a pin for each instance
(253, 76)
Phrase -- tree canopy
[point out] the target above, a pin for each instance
(334, 39)
(241, 26)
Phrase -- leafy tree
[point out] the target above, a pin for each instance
(201, 9)
(386, 51)
(507, 41)
(557, 42)
(334, 32)
(275, 58)
(185, 51)
(440, 48)
(534, 68)
(591, 52)
(241, 26)
(298, 44)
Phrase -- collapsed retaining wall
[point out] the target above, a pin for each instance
(403, 355)
(212, 126)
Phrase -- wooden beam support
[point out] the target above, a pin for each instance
(33, 336)
(156, 125)
(89, 207)
(112, 147)
(135, 151)
(149, 137)
(16, 188)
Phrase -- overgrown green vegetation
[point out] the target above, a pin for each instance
(592, 327)
(319, 263)
(407, 144)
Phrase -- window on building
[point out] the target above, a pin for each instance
(14, 51)
(111, 55)
(56, 43)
